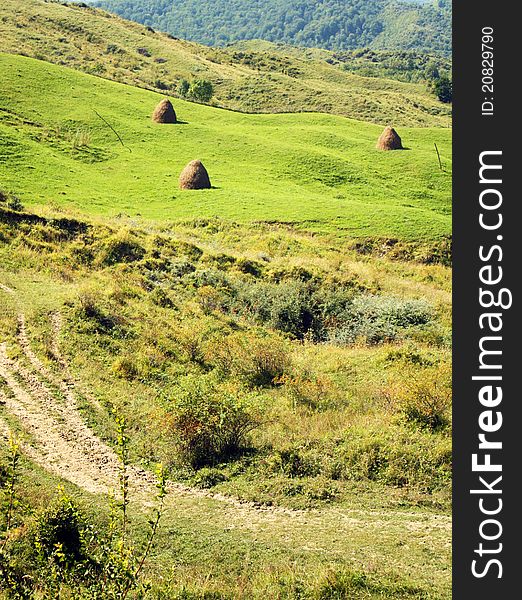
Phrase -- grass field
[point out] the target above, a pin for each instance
(281, 343)
(316, 171)
(269, 80)
(343, 491)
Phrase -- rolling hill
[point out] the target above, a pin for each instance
(332, 24)
(257, 79)
(318, 172)
(277, 346)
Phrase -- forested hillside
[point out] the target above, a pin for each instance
(331, 24)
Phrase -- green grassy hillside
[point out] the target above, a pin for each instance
(280, 343)
(319, 172)
(267, 80)
(339, 363)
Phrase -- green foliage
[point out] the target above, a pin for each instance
(208, 477)
(59, 529)
(378, 319)
(333, 24)
(201, 90)
(425, 400)
(405, 65)
(9, 480)
(443, 88)
(211, 422)
(183, 88)
(256, 360)
(62, 554)
(285, 306)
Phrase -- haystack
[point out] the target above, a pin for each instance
(389, 140)
(164, 112)
(194, 177)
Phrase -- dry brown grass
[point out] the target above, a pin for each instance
(389, 140)
(164, 112)
(194, 177)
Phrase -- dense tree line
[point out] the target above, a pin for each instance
(332, 24)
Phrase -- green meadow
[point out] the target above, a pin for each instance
(258, 78)
(280, 343)
(315, 171)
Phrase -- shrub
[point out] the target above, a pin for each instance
(208, 477)
(443, 88)
(378, 319)
(425, 398)
(295, 461)
(285, 306)
(256, 360)
(59, 529)
(201, 90)
(121, 247)
(211, 422)
(183, 88)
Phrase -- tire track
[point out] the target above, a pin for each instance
(46, 405)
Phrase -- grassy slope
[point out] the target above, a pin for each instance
(322, 172)
(395, 534)
(265, 167)
(263, 81)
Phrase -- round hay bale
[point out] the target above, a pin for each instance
(194, 177)
(389, 140)
(164, 112)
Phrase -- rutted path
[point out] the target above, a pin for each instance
(46, 405)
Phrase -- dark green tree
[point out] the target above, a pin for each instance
(201, 90)
(183, 88)
(443, 88)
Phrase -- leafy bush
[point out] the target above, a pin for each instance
(118, 248)
(201, 90)
(443, 88)
(59, 529)
(211, 422)
(256, 360)
(377, 319)
(183, 88)
(286, 306)
(296, 461)
(425, 398)
(208, 477)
